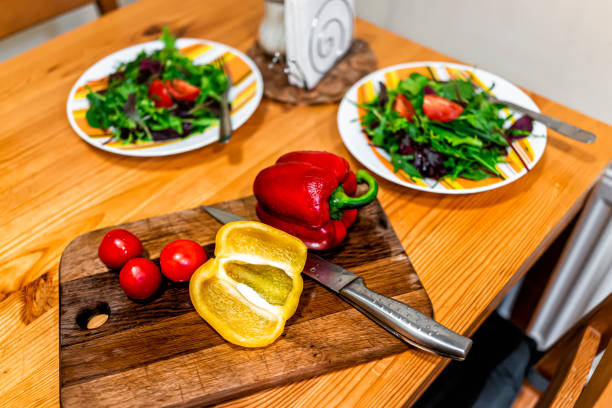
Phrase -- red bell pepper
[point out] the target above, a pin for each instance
(309, 194)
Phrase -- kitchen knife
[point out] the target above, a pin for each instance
(401, 320)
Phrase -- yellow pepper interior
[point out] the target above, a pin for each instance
(270, 282)
(264, 259)
(243, 319)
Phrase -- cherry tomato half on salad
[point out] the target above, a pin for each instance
(119, 246)
(159, 94)
(182, 90)
(403, 107)
(441, 109)
(180, 259)
(139, 278)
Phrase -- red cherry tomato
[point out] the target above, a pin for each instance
(158, 93)
(180, 89)
(441, 109)
(139, 278)
(119, 246)
(180, 259)
(403, 106)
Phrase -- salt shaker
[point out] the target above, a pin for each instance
(272, 28)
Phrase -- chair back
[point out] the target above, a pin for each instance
(20, 14)
(568, 362)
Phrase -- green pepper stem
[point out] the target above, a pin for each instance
(340, 201)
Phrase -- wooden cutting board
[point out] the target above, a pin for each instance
(161, 353)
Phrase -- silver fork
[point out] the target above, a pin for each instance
(225, 117)
(564, 128)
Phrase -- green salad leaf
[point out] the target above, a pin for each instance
(469, 144)
(131, 111)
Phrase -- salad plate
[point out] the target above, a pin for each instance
(515, 159)
(244, 94)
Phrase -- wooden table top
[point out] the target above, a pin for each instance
(468, 250)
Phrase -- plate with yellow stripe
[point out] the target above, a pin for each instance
(245, 95)
(520, 158)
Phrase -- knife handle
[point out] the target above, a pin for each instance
(407, 323)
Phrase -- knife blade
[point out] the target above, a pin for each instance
(404, 322)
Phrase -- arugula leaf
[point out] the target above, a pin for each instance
(396, 122)
(470, 146)
(454, 139)
(405, 163)
(167, 38)
(205, 122)
(131, 112)
(456, 90)
(126, 109)
(414, 84)
(475, 174)
(97, 117)
(378, 135)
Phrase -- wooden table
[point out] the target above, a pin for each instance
(468, 250)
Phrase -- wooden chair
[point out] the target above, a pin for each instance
(19, 14)
(568, 362)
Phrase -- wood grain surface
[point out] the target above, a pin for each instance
(177, 359)
(467, 250)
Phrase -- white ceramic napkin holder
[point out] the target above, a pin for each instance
(318, 33)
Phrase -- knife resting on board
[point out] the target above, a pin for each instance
(404, 322)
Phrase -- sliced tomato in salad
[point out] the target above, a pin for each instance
(441, 109)
(182, 90)
(403, 107)
(159, 94)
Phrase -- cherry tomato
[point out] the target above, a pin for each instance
(158, 93)
(183, 90)
(403, 106)
(441, 109)
(139, 278)
(119, 246)
(180, 259)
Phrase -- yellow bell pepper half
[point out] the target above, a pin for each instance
(252, 286)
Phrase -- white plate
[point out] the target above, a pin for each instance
(378, 161)
(245, 95)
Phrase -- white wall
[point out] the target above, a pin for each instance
(561, 49)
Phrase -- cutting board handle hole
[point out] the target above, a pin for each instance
(94, 316)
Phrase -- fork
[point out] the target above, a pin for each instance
(225, 117)
(564, 128)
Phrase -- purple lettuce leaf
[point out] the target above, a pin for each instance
(429, 90)
(521, 128)
(148, 67)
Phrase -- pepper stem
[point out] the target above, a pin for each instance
(339, 201)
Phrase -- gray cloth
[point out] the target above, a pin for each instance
(504, 382)
(492, 374)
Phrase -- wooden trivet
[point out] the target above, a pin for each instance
(358, 62)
